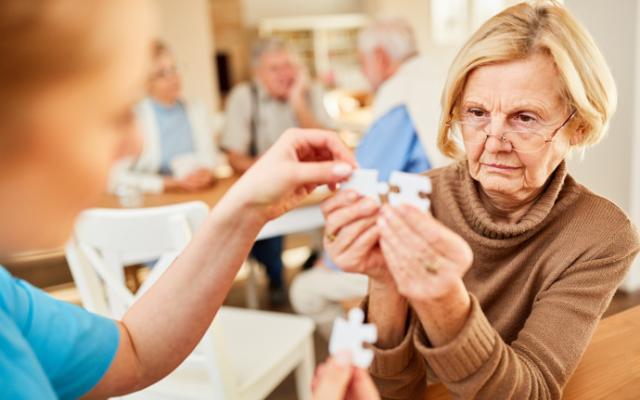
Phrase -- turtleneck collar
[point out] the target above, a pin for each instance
(468, 209)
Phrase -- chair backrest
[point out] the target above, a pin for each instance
(106, 240)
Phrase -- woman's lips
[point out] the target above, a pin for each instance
(501, 167)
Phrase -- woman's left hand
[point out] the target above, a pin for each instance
(300, 161)
(426, 259)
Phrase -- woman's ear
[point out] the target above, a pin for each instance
(577, 138)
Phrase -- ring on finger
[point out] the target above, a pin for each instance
(434, 266)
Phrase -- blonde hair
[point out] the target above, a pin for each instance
(524, 29)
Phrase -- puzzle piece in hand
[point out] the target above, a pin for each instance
(365, 182)
(350, 336)
(409, 189)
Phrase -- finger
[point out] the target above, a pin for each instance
(321, 139)
(339, 200)
(364, 244)
(317, 376)
(443, 240)
(415, 246)
(334, 382)
(349, 233)
(321, 172)
(367, 240)
(362, 386)
(365, 207)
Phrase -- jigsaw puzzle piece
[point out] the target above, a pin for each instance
(349, 335)
(365, 182)
(409, 189)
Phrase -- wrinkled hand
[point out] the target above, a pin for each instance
(426, 259)
(351, 235)
(337, 379)
(300, 161)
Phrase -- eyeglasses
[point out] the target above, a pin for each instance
(523, 132)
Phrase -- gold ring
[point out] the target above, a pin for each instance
(433, 267)
(330, 237)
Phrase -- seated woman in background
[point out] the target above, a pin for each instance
(497, 291)
(71, 72)
(178, 150)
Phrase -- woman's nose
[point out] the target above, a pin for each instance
(497, 140)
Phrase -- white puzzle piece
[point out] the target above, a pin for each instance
(351, 335)
(365, 182)
(410, 189)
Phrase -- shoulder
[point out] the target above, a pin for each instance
(241, 93)
(451, 172)
(608, 226)
(397, 117)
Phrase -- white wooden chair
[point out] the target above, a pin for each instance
(244, 355)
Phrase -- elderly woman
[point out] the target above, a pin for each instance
(497, 291)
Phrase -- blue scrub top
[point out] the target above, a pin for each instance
(50, 349)
(390, 144)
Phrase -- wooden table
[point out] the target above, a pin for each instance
(210, 196)
(610, 368)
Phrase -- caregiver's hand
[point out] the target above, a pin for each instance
(337, 379)
(351, 235)
(292, 168)
(427, 261)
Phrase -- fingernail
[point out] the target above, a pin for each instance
(342, 169)
(382, 223)
(343, 358)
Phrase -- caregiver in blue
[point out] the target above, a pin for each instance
(70, 75)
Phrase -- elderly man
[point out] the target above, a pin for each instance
(389, 59)
(280, 97)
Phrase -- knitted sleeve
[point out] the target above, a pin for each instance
(478, 363)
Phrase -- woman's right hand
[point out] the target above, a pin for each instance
(351, 235)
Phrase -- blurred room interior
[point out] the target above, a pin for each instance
(211, 40)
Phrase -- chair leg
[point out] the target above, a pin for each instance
(252, 286)
(304, 371)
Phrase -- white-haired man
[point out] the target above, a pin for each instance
(390, 62)
(257, 113)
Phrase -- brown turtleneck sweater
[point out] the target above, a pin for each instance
(538, 289)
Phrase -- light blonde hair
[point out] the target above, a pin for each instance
(524, 29)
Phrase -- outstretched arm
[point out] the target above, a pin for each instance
(166, 324)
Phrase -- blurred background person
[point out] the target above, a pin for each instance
(390, 62)
(178, 152)
(279, 97)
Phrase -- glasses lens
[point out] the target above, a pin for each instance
(525, 142)
(467, 133)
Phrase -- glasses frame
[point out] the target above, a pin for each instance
(502, 138)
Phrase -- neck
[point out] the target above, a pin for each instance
(504, 209)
